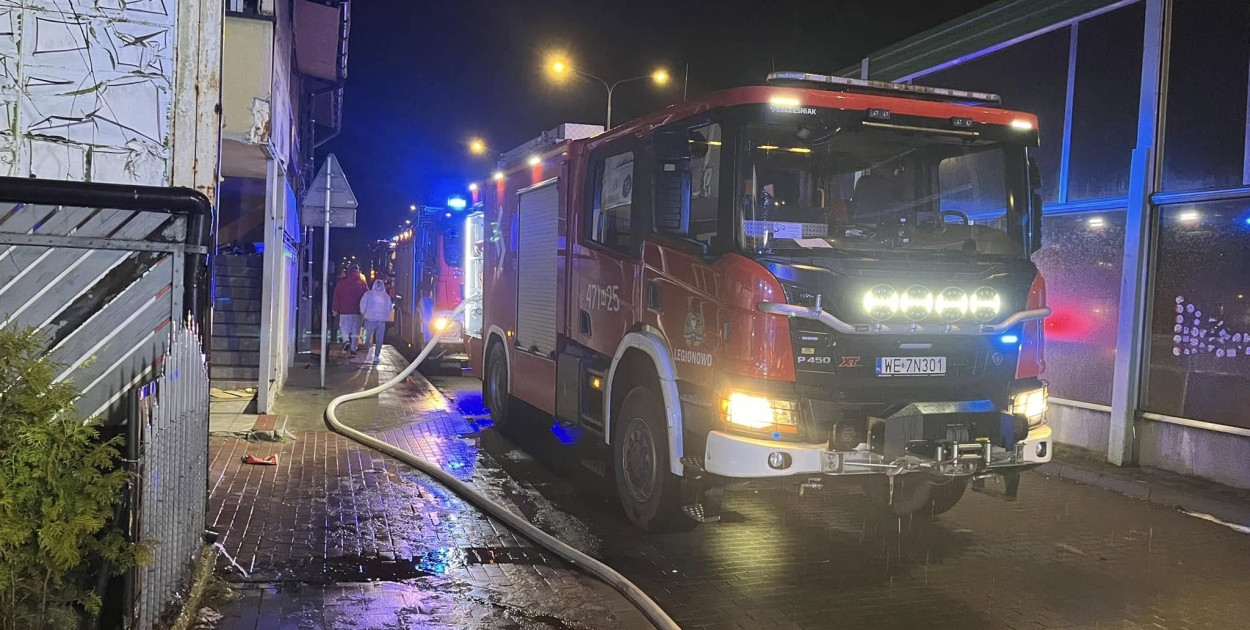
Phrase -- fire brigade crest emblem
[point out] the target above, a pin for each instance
(694, 329)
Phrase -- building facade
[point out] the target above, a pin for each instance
(284, 64)
(1145, 160)
(111, 92)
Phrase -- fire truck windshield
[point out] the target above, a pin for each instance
(876, 190)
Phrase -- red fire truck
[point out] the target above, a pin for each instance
(811, 279)
(429, 281)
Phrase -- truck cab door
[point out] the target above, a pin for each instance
(606, 264)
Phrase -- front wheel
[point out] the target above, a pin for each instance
(649, 493)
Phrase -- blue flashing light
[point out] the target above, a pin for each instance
(457, 203)
(1247, 220)
(1010, 338)
(776, 435)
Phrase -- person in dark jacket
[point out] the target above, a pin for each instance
(351, 287)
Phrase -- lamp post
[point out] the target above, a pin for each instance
(561, 68)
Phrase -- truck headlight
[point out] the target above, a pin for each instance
(1032, 404)
(440, 323)
(758, 413)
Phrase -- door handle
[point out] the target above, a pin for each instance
(584, 322)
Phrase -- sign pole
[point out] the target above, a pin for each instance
(325, 278)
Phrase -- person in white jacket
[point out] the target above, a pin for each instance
(375, 308)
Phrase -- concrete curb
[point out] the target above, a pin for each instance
(1160, 488)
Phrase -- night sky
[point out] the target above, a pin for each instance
(426, 75)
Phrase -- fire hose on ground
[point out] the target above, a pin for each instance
(603, 572)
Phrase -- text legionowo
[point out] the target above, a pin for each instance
(681, 355)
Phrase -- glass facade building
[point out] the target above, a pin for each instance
(1145, 159)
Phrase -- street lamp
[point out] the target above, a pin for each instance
(560, 69)
(477, 146)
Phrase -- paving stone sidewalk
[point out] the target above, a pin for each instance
(339, 536)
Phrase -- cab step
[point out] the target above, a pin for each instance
(707, 506)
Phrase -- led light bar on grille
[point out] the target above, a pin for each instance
(883, 86)
(917, 302)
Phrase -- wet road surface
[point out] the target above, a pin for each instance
(1064, 556)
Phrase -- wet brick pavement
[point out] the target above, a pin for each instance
(338, 536)
(1064, 556)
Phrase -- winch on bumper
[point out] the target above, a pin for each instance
(964, 440)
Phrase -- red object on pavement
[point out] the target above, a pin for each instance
(272, 460)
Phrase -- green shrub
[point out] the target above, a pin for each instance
(59, 487)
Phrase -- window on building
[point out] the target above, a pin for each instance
(1104, 103)
(1204, 145)
(612, 208)
(1200, 327)
(1081, 259)
(1031, 76)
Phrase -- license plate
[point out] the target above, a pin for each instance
(911, 366)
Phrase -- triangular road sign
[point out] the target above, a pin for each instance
(342, 200)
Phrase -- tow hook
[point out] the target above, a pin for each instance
(813, 483)
(1009, 490)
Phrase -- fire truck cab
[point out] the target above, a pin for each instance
(811, 279)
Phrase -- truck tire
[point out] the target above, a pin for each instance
(495, 391)
(649, 493)
(914, 494)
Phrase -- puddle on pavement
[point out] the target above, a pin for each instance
(432, 563)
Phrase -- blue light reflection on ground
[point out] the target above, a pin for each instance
(566, 434)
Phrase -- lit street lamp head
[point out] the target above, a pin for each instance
(660, 76)
(558, 67)
(477, 146)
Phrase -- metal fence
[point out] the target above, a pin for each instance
(169, 442)
(116, 279)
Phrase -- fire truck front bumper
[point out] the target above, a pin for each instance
(744, 457)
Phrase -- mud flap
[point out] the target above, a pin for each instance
(1005, 487)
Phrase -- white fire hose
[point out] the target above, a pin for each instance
(607, 574)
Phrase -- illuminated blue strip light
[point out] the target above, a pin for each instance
(1010, 339)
